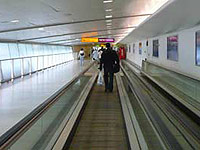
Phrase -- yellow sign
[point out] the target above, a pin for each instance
(90, 40)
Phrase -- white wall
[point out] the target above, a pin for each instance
(136, 57)
(186, 52)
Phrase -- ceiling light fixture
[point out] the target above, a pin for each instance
(41, 29)
(14, 21)
(108, 10)
(108, 16)
(108, 21)
(109, 24)
(107, 1)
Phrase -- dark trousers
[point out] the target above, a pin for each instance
(108, 79)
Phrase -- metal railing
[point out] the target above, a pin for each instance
(30, 64)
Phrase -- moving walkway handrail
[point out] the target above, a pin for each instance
(13, 133)
(193, 131)
(192, 107)
(153, 117)
(136, 138)
(64, 137)
(192, 77)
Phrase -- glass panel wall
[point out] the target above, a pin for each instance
(20, 59)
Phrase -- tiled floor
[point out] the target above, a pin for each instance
(19, 98)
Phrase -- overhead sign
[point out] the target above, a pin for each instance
(96, 40)
(106, 40)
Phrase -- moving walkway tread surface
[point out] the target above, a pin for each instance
(101, 125)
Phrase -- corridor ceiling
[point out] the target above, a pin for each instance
(65, 22)
(176, 16)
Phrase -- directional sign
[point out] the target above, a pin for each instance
(106, 40)
(94, 40)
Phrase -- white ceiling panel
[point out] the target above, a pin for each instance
(179, 15)
(37, 19)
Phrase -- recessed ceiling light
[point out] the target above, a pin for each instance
(15, 21)
(108, 16)
(109, 24)
(107, 1)
(108, 10)
(108, 20)
(41, 29)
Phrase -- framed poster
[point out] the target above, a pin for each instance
(197, 52)
(155, 48)
(172, 48)
(140, 48)
(133, 48)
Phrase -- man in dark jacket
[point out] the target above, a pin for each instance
(108, 59)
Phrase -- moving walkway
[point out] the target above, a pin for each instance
(137, 115)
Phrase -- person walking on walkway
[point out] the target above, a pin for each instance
(100, 53)
(95, 55)
(109, 59)
(81, 56)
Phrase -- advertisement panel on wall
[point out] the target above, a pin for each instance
(129, 48)
(197, 56)
(133, 48)
(155, 48)
(172, 48)
(140, 48)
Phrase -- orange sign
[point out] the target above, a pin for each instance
(90, 40)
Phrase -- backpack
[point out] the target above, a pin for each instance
(116, 66)
(82, 54)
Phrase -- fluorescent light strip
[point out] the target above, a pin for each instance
(107, 1)
(108, 16)
(108, 10)
(14, 21)
(108, 21)
(41, 29)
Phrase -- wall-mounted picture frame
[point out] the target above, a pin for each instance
(156, 48)
(133, 47)
(197, 48)
(172, 48)
(140, 48)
